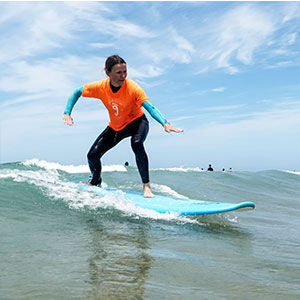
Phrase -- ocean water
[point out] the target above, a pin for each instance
(58, 242)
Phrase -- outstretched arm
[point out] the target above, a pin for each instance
(157, 115)
(71, 102)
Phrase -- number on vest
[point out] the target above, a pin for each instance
(115, 107)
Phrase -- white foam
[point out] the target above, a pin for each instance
(111, 200)
(181, 169)
(50, 183)
(117, 200)
(71, 168)
(164, 189)
(292, 172)
(41, 178)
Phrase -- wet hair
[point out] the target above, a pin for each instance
(113, 60)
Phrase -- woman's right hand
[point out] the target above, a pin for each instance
(68, 119)
(168, 128)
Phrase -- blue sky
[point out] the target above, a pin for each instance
(228, 73)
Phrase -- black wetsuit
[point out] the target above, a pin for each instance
(138, 130)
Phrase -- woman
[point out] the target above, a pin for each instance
(123, 99)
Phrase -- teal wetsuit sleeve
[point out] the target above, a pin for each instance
(154, 112)
(72, 100)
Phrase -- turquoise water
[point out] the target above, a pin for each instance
(58, 242)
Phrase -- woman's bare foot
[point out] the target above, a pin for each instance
(147, 191)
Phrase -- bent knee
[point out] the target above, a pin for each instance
(137, 146)
(92, 155)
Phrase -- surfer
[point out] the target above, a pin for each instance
(124, 99)
(210, 168)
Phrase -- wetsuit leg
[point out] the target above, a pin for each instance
(105, 141)
(138, 130)
(137, 144)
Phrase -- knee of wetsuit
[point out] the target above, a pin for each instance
(137, 145)
(90, 155)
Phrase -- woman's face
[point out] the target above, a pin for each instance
(117, 74)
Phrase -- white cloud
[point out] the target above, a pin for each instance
(290, 11)
(102, 45)
(175, 48)
(183, 49)
(218, 90)
(55, 75)
(223, 108)
(15, 101)
(291, 38)
(146, 71)
(277, 122)
(41, 27)
(246, 34)
(106, 20)
(123, 27)
(237, 35)
(33, 29)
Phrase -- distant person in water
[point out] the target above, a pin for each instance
(124, 99)
(210, 168)
(126, 164)
(230, 170)
(223, 170)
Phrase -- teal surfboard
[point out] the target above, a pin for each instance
(168, 204)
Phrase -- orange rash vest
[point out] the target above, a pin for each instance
(124, 106)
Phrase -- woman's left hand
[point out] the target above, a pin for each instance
(168, 128)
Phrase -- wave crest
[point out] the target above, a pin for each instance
(70, 168)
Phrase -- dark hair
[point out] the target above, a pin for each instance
(113, 60)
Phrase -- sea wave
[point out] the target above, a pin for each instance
(292, 172)
(181, 169)
(55, 181)
(56, 186)
(70, 168)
